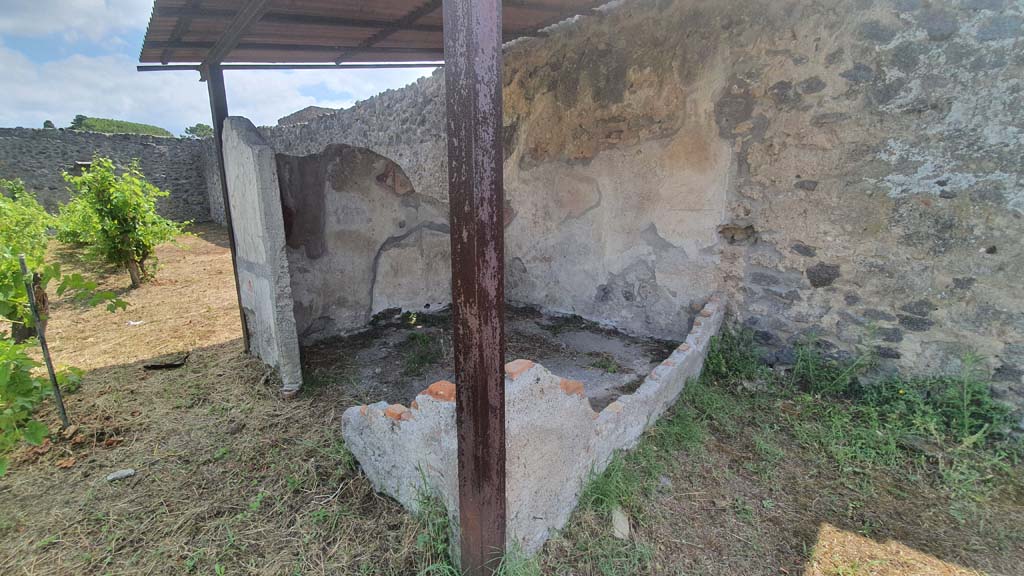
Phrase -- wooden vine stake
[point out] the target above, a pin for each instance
(41, 333)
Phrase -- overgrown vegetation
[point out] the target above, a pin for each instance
(947, 431)
(114, 216)
(110, 126)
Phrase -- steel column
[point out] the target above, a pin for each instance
(472, 48)
(219, 111)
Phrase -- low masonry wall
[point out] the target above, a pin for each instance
(554, 440)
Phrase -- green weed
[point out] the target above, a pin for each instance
(421, 351)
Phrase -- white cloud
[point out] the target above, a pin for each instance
(109, 87)
(73, 19)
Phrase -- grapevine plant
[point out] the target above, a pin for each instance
(115, 217)
(25, 231)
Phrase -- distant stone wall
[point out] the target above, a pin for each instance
(851, 169)
(180, 166)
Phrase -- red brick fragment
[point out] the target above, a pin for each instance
(442, 390)
(571, 387)
(516, 367)
(396, 412)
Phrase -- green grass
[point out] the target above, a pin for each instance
(110, 126)
(422, 351)
(605, 362)
(833, 413)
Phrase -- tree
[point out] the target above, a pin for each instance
(125, 228)
(199, 131)
(79, 122)
(48, 124)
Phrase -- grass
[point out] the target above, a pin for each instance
(606, 362)
(820, 418)
(422, 350)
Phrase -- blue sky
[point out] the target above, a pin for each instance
(60, 58)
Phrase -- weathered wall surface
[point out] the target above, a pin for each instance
(181, 166)
(360, 240)
(260, 251)
(850, 168)
(554, 440)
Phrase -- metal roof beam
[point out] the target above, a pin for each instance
(249, 13)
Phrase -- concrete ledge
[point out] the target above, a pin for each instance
(554, 440)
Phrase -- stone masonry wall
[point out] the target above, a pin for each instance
(847, 168)
(178, 165)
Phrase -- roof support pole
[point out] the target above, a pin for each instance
(219, 111)
(472, 47)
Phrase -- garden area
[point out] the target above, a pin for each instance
(181, 457)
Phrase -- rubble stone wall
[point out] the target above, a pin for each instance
(850, 168)
(184, 167)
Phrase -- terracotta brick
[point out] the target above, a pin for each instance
(414, 405)
(668, 363)
(407, 415)
(396, 412)
(706, 313)
(684, 347)
(697, 322)
(442, 390)
(516, 367)
(362, 410)
(572, 387)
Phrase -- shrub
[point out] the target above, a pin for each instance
(124, 227)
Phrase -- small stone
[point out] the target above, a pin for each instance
(665, 482)
(620, 524)
(804, 250)
(822, 274)
(808, 185)
(812, 85)
(120, 475)
(915, 323)
(886, 352)
(859, 73)
(964, 283)
(919, 307)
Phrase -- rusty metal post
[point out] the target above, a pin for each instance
(472, 48)
(219, 111)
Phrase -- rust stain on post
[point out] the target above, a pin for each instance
(473, 93)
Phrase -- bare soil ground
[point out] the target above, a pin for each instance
(230, 479)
